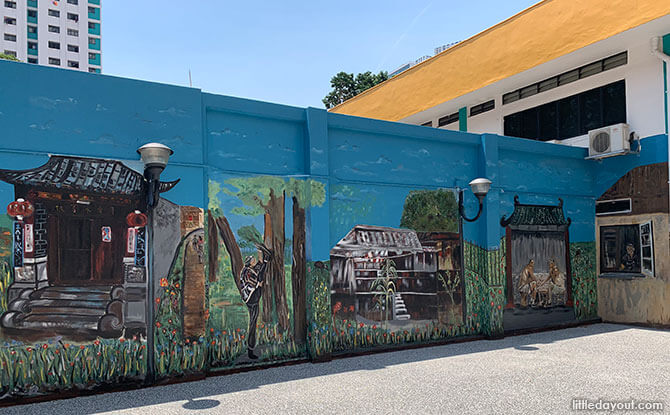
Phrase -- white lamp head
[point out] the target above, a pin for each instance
(155, 155)
(480, 187)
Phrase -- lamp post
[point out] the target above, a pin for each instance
(480, 187)
(155, 157)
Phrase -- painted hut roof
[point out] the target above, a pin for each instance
(89, 175)
(365, 238)
(532, 216)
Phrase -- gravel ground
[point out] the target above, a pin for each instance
(535, 373)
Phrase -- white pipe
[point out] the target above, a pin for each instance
(657, 50)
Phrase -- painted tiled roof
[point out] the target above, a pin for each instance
(536, 215)
(88, 175)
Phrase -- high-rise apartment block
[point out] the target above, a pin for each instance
(62, 33)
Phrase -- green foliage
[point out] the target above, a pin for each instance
(9, 57)
(384, 286)
(5, 281)
(345, 86)
(584, 279)
(249, 236)
(213, 189)
(307, 192)
(254, 192)
(58, 365)
(430, 211)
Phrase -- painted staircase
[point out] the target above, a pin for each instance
(399, 309)
(96, 309)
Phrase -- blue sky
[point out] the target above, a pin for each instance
(281, 51)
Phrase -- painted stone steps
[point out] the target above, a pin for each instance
(57, 293)
(43, 321)
(400, 309)
(98, 309)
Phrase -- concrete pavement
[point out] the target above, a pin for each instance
(535, 373)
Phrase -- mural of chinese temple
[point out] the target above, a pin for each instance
(79, 255)
(539, 290)
(382, 273)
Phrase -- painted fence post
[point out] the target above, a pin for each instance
(317, 244)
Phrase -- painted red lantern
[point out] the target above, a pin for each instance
(136, 219)
(20, 209)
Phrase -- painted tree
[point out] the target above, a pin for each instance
(430, 211)
(265, 195)
(304, 193)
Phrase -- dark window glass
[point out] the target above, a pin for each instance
(548, 122)
(513, 125)
(620, 249)
(54, 13)
(614, 103)
(451, 118)
(568, 117)
(32, 60)
(529, 123)
(32, 13)
(590, 110)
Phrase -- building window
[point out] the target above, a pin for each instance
(32, 60)
(72, 48)
(10, 20)
(32, 29)
(92, 41)
(54, 61)
(10, 38)
(75, 2)
(73, 17)
(448, 119)
(72, 64)
(54, 45)
(91, 10)
(32, 45)
(54, 29)
(73, 32)
(32, 13)
(571, 116)
(92, 25)
(10, 53)
(483, 107)
(54, 13)
(94, 70)
(593, 68)
(627, 249)
(10, 4)
(427, 124)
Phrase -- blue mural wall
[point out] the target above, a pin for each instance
(359, 172)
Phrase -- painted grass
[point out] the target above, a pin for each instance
(56, 365)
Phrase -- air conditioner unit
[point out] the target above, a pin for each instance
(609, 141)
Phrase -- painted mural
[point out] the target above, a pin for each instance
(74, 281)
(539, 281)
(258, 268)
(394, 285)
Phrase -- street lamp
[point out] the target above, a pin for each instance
(155, 157)
(480, 187)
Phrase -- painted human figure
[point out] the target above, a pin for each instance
(252, 277)
(630, 260)
(527, 284)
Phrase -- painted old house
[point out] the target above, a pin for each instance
(80, 255)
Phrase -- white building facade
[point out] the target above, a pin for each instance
(63, 33)
(617, 80)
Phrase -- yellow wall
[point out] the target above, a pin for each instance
(543, 32)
